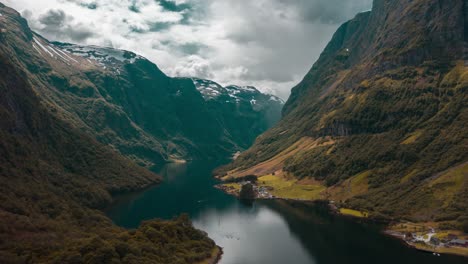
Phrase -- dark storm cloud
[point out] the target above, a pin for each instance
(56, 23)
(53, 18)
(159, 26)
(91, 5)
(173, 6)
(283, 38)
(329, 11)
(270, 44)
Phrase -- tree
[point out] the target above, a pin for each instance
(247, 192)
(465, 226)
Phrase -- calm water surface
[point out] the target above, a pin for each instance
(274, 232)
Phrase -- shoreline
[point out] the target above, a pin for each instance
(120, 196)
(426, 246)
(216, 256)
(217, 251)
(387, 231)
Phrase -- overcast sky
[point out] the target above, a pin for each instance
(269, 44)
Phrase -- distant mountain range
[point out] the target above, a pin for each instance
(380, 121)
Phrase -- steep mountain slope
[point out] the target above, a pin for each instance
(244, 112)
(125, 101)
(54, 177)
(380, 119)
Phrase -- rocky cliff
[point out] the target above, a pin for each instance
(385, 106)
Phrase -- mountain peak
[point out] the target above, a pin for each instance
(106, 57)
(211, 90)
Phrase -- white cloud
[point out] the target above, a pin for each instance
(270, 44)
(193, 66)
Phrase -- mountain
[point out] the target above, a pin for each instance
(125, 101)
(379, 122)
(65, 121)
(244, 112)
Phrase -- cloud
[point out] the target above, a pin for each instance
(194, 66)
(54, 18)
(270, 44)
(56, 23)
(330, 11)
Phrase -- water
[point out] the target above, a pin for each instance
(270, 231)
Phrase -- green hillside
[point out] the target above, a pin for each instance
(54, 179)
(388, 96)
(125, 101)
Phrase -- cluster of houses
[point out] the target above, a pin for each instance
(430, 238)
(264, 193)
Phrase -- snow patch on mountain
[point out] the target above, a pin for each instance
(243, 88)
(208, 89)
(46, 48)
(107, 58)
(233, 93)
(276, 99)
(42, 47)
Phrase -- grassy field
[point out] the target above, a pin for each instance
(356, 185)
(447, 185)
(410, 227)
(277, 162)
(235, 186)
(282, 187)
(412, 138)
(354, 213)
(291, 188)
(410, 175)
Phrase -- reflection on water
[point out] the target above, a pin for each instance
(266, 232)
(252, 235)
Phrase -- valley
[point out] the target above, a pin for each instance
(80, 125)
(105, 158)
(268, 230)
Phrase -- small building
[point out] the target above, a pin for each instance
(434, 241)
